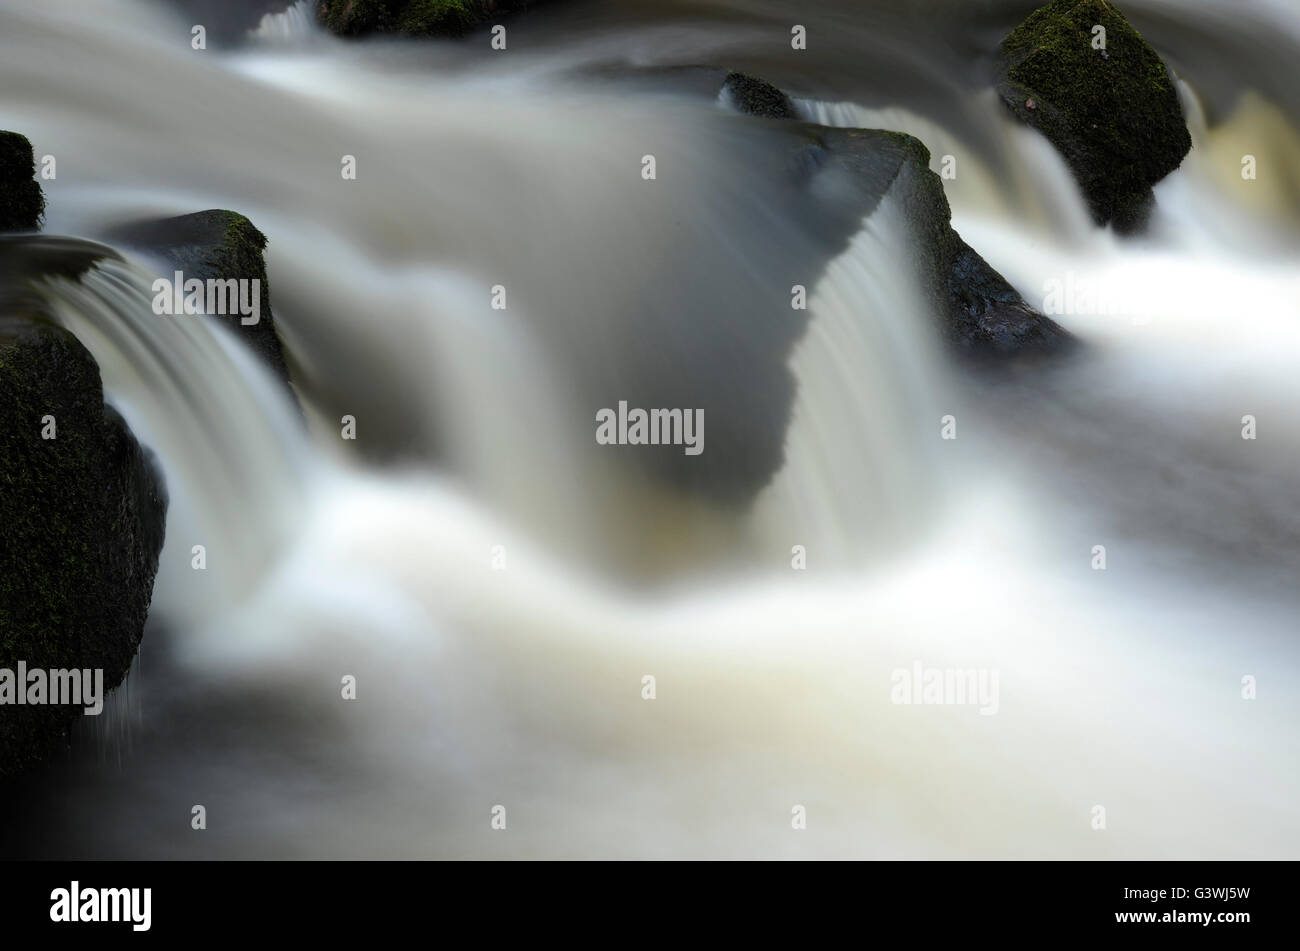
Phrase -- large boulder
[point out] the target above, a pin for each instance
(981, 315)
(21, 202)
(214, 245)
(717, 330)
(1112, 112)
(83, 509)
(411, 17)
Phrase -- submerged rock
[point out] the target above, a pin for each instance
(411, 17)
(83, 509)
(1112, 111)
(215, 245)
(982, 315)
(22, 204)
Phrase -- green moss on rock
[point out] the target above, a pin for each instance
(83, 516)
(355, 17)
(411, 17)
(1113, 113)
(442, 17)
(215, 245)
(22, 203)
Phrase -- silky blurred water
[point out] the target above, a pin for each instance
(499, 586)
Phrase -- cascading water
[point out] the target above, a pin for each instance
(866, 380)
(290, 27)
(236, 471)
(521, 686)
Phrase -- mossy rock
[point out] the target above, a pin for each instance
(215, 245)
(411, 17)
(84, 516)
(22, 203)
(757, 97)
(1113, 113)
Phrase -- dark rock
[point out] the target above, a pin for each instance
(214, 244)
(983, 316)
(725, 342)
(22, 204)
(758, 98)
(411, 17)
(1116, 118)
(84, 518)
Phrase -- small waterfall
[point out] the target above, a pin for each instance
(860, 467)
(291, 27)
(1015, 174)
(232, 450)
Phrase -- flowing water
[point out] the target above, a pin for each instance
(499, 585)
